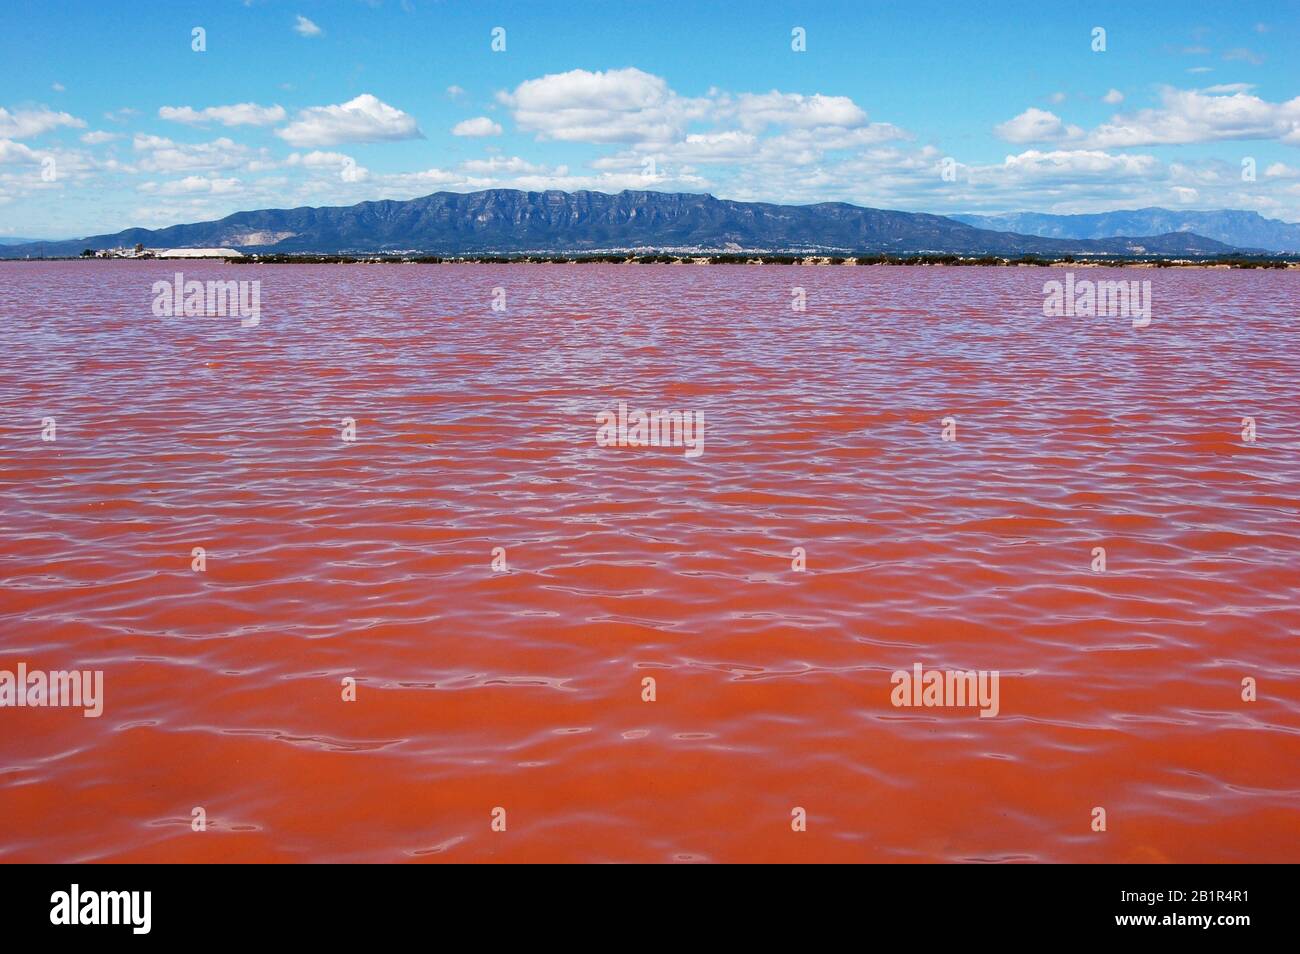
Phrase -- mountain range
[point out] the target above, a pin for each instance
(511, 221)
(1233, 226)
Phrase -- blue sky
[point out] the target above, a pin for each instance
(109, 118)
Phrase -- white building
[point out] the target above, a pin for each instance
(200, 253)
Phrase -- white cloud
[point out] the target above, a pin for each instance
(15, 153)
(455, 91)
(722, 146)
(159, 154)
(1280, 170)
(632, 106)
(364, 119)
(418, 183)
(497, 164)
(625, 105)
(346, 166)
(58, 87)
(1113, 97)
(1081, 163)
(317, 158)
(193, 184)
(240, 114)
(1229, 88)
(755, 111)
(823, 138)
(1188, 116)
(351, 172)
(305, 27)
(1036, 125)
(98, 137)
(23, 123)
(478, 126)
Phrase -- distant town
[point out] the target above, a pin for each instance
(139, 251)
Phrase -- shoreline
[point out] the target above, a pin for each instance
(1242, 262)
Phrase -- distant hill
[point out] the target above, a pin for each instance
(1235, 227)
(507, 220)
(15, 240)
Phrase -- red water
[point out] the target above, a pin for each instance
(522, 689)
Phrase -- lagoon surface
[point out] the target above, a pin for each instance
(521, 686)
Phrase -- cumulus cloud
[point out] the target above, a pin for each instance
(159, 154)
(304, 27)
(317, 158)
(624, 105)
(364, 119)
(478, 126)
(98, 137)
(240, 114)
(1036, 125)
(823, 138)
(632, 106)
(755, 111)
(1113, 97)
(1225, 112)
(726, 146)
(346, 166)
(500, 164)
(192, 185)
(15, 153)
(24, 123)
(416, 183)
(1077, 163)
(1189, 116)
